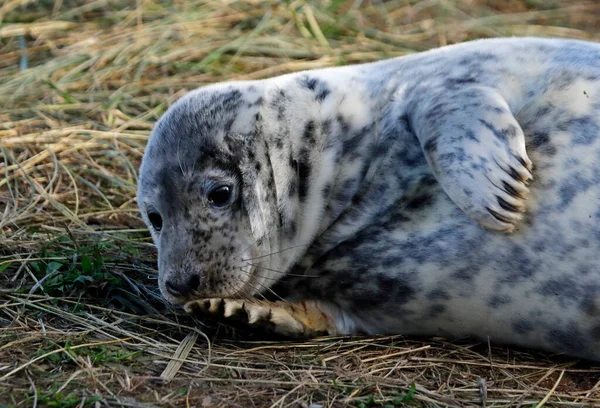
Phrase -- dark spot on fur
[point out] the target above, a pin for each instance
(352, 143)
(303, 169)
(418, 202)
(292, 189)
(292, 228)
(543, 111)
(518, 266)
(498, 300)
(460, 82)
(510, 131)
(435, 310)
(590, 306)
(464, 274)
(379, 290)
(439, 294)
(585, 130)
(309, 132)
(499, 134)
(398, 218)
(431, 145)
(573, 186)
(568, 338)
(326, 127)
(309, 83)
(344, 126)
(322, 95)
(522, 326)
(539, 139)
(495, 109)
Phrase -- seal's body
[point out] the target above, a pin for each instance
(396, 196)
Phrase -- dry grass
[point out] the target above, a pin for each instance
(81, 323)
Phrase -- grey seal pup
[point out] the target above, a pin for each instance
(454, 192)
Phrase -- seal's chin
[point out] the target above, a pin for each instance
(176, 301)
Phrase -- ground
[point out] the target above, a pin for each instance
(81, 320)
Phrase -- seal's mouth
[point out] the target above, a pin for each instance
(245, 280)
(175, 301)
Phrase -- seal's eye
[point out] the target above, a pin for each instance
(155, 220)
(220, 196)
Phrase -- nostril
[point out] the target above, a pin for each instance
(181, 290)
(173, 289)
(194, 282)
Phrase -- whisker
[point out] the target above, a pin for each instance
(263, 287)
(260, 276)
(252, 244)
(270, 290)
(299, 275)
(273, 253)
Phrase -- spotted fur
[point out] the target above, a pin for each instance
(378, 190)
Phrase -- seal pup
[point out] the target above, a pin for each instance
(454, 192)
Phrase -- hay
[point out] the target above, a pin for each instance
(81, 322)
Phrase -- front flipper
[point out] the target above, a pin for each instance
(296, 320)
(476, 150)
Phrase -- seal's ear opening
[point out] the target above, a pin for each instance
(236, 144)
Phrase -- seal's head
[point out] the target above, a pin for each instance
(203, 194)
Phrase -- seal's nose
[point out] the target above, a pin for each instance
(179, 289)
